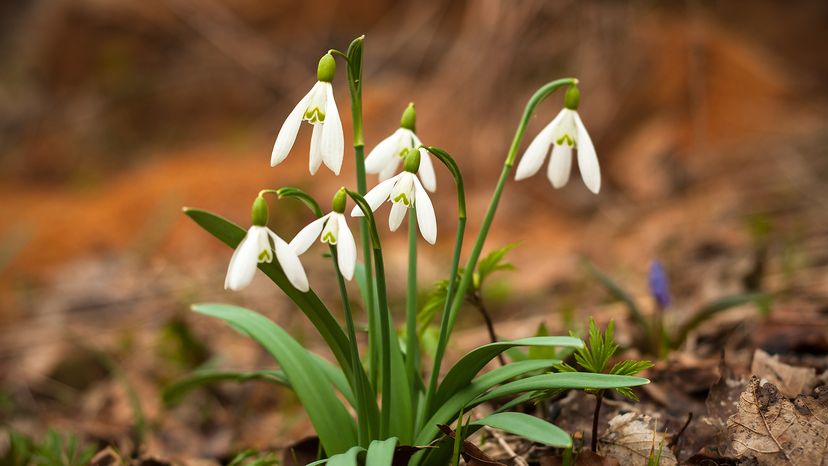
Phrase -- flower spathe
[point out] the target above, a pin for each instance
(404, 191)
(331, 228)
(318, 108)
(256, 248)
(385, 158)
(564, 133)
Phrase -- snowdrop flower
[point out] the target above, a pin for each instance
(331, 228)
(384, 159)
(319, 109)
(405, 192)
(256, 248)
(564, 133)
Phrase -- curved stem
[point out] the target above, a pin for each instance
(471, 263)
(449, 162)
(384, 315)
(412, 350)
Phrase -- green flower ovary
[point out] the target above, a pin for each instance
(314, 115)
(566, 139)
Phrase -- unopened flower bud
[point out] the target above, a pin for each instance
(327, 68)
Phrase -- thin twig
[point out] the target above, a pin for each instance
(477, 301)
(599, 397)
(676, 438)
(519, 461)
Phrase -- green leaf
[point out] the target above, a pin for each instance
(447, 411)
(630, 367)
(173, 393)
(349, 458)
(542, 352)
(563, 380)
(332, 422)
(492, 263)
(435, 303)
(381, 452)
(470, 364)
(621, 295)
(711, 309)
(529, 427)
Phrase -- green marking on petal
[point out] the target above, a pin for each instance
(314, 116)
(265, 256)
(566, 139)
(329, 238)
(402, 198)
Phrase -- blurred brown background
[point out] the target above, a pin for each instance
(709, 119)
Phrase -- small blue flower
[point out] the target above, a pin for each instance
(659, 285)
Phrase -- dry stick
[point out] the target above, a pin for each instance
(477, 301)
(599, 397)
(505, 445)
(675, 439)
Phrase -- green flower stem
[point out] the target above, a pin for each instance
(364, 434)
(353, 58)
(384, 315)
(471, 263)
(449, 162)
(412, 350)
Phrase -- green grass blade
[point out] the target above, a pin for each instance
(349, 458)
(529, 427)
(231, 234)
(712, 308)
(381, 452)
(563, 380)
(178, 389)
(621, 295)
(332, 422)
(446, 412)
(470, 364)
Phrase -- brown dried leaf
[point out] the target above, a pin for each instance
(584, 458)
(790, 380)
(631, 437)
(107, 457)
(473, 455)
(776, 431)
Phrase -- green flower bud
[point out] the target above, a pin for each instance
(409, 117)
(412, 161)
(339, 201)
(258, 214)
(572, 98)
(327, 68)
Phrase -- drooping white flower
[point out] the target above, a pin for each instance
(256, 247)
(331, 228)
(384, 159)
(404, 191)
(565, 133)
(318, 108)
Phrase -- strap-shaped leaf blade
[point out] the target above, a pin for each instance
(446, 412)
(178, 389)
(381, 452)
(529, 427)
(563, 380)
(470, 364)
(332, 422)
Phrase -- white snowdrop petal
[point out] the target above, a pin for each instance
(383, 154)
(290, 263)
(287, 134)
(587, 158)
(243, 264)
(426, 219)
(426, 171)
(560, 165)
(316, 148)
(333, 138)
(306, 237)
(533, 158)
(345, 248)
(390, 168)
(376, 196)
(398, 211)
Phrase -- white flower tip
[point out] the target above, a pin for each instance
(356, 212)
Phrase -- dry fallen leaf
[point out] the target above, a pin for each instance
(776, 431)
(631, 437)
(583, 458)
(790, 380)
(473, 455)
